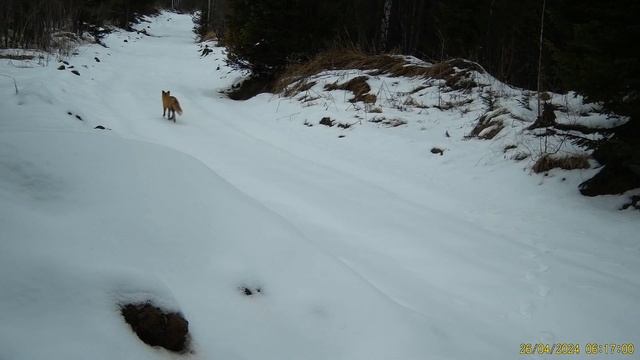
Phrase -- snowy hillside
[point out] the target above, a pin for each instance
(363, 243)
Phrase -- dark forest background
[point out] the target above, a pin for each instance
(588, 46)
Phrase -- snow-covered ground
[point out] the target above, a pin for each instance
(365, 246)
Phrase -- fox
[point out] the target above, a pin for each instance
(171, 103)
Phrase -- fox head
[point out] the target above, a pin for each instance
(166, 93)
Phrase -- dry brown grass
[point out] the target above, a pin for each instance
(358, 86)
(300, 86)
(569, 162)
(489, 125)
(345, 59)
(209, 36)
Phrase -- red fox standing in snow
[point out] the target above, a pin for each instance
(171, 103)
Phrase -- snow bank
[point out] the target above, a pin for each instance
(365, 246)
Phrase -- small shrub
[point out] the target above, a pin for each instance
(548, 162)
(489, 125)
(410, 101)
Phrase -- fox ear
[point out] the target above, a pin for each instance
(163, 92)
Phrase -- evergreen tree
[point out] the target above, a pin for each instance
(267, 34)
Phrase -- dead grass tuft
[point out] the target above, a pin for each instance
(410, 101)
(358, 86)
(209, 36)
(570, 162)
(509, 147)
(300, 86)
(489, 125)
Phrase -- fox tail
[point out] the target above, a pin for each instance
(178, 109)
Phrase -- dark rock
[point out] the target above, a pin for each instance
(125, 40)
(157, 327)
(69, 113)
(66, 63)
(96, 59)
(435, 150)
(340, 136)
(612, 179)
(75, 72)
(326, 121)
(61, 67)
(78, 117)
(100, 127)
(246, 291)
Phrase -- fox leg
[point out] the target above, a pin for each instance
(164, 111)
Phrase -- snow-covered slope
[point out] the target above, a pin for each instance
(366, 246)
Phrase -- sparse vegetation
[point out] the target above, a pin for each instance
(489, 125)
(453, 71)
(358, 86)
(569, 162)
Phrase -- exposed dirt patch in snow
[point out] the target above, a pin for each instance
(157, 327)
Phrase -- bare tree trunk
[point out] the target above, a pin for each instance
(540, 58)
(384, 27)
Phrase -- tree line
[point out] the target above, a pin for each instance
(589, 46)
(30, 23)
